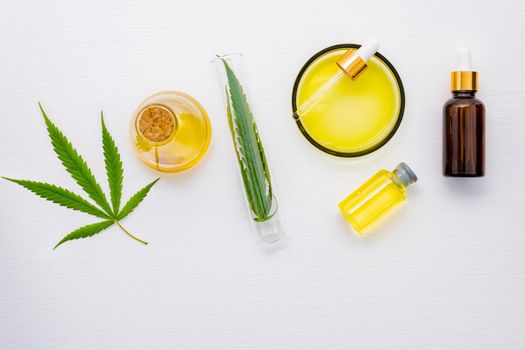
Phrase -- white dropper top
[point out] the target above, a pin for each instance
(368, 49)
(464, 78)
(464, 61)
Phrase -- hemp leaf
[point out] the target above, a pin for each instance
(248, 148)
(82, 174)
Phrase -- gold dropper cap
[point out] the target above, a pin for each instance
(464, 78)
(353, 62)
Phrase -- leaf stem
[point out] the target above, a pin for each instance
(129, 234)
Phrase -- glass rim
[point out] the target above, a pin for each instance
(366, 151)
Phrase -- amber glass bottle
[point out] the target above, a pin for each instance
(464, 124)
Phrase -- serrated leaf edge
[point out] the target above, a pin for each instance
(113, 165)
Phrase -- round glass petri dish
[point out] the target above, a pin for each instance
(354, 117)
(170, 131)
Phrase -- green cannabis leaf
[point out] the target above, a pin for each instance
(82, 174)
(86, 231)
(249, 149)
(60, 196)
(75, 164)
(114, 170)
(135, 200)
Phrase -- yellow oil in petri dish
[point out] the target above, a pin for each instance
(354, 117)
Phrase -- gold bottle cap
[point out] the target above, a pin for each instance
(353, 62)
(464, 78)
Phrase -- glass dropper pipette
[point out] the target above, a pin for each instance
(352, 63)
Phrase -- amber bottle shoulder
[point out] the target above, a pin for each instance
(459, 103)
(463, 101)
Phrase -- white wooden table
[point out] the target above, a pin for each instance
(445, 271)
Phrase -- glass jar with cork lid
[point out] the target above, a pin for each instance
(170, 131)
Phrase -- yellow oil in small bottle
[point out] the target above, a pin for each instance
(170, 131)
(376, 197)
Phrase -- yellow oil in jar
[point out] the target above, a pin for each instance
(353, 116)
(170, 131)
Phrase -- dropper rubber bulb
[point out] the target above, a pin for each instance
(464, 77)
(464, 60)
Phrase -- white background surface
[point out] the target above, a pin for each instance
(445, 271)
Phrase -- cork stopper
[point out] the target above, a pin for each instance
(156, 123)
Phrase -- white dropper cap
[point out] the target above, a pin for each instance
(368, 49)
(464, 61)
(464, 78)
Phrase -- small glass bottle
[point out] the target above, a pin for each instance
(377, 196)
(464, 123)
